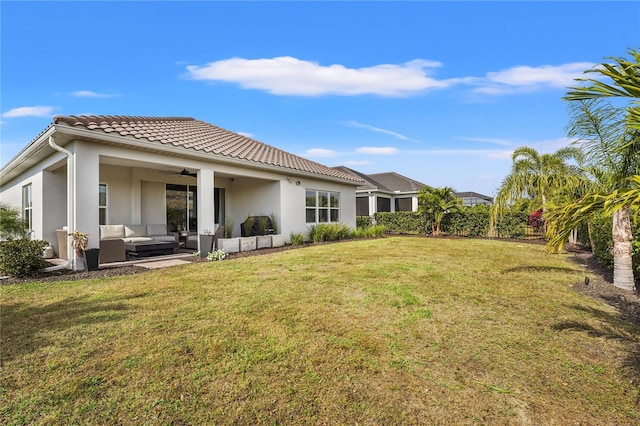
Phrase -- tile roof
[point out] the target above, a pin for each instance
(369, 183)
(397, 183)
(192, 134)
(389, 181)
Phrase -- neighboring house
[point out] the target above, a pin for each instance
(392, 192)
(471, 199)
(385, 192)
(84, 171)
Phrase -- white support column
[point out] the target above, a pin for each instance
(206, 209)
(85, 195)
(136, 196)
(372, 205)
(414, 204)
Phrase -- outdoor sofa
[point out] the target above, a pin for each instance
(114, 237)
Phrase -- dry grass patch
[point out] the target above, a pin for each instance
(386, 331)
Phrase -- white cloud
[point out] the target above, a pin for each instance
(286, 75)
(374, 150)
(247, 134)
(379, 130)
(500, 155)
(494, 141)
(320, 152)
(29, 111)
(90, 94)
(492, 154)
(526, 78)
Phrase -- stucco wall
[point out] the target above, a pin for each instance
(293, 203)
(119, 189)
(136, 190)
(251, 197)
(154, 206)
(55, 203)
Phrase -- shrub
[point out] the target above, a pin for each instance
(20, 258)
(363, 221)
(11, 224)
(512, 225)
(329, 232)
(536, 220)
(468, 222)
(371, 231)
(297, 238)
(402, 222)
(217, 255)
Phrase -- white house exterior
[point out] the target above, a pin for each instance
(83, 171)
(385, 192)
(393, 192)
(471, 199)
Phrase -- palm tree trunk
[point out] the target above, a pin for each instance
(622, 250)
(591, 242)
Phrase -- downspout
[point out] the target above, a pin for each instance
(71, 207)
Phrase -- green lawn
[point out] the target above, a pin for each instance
(386, 331)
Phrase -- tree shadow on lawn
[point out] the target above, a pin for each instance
(617, 326)
(533, 268)
(26, 329)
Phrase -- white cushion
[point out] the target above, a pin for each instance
(135, 230)
(136, 239)
(111, 231)
(163, 238)
(157, 229)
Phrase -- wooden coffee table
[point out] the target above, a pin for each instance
(150, 248)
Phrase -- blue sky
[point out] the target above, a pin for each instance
(441, 92)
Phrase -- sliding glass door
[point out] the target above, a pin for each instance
(182, 207)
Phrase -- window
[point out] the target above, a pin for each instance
(182, 207)
(27, 207)
(362, 206)
(404, 204)
(383, 204)
(102, 204)
(322, 206)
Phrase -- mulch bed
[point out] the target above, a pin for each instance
(599, 286)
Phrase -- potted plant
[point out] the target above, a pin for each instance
(90, 257)
(206, 243)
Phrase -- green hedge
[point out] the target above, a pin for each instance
(22, 257)
(468, 222)
(402, 222)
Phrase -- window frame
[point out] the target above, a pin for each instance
(325, 207)
(27, 206)
(104, 207)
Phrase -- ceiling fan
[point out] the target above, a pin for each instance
(183, 172)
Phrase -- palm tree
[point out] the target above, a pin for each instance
(536, 176)
(435, 203)
(611, 138)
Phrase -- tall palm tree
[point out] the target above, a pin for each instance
(537, 176)
(613, 145)
(436, 203)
